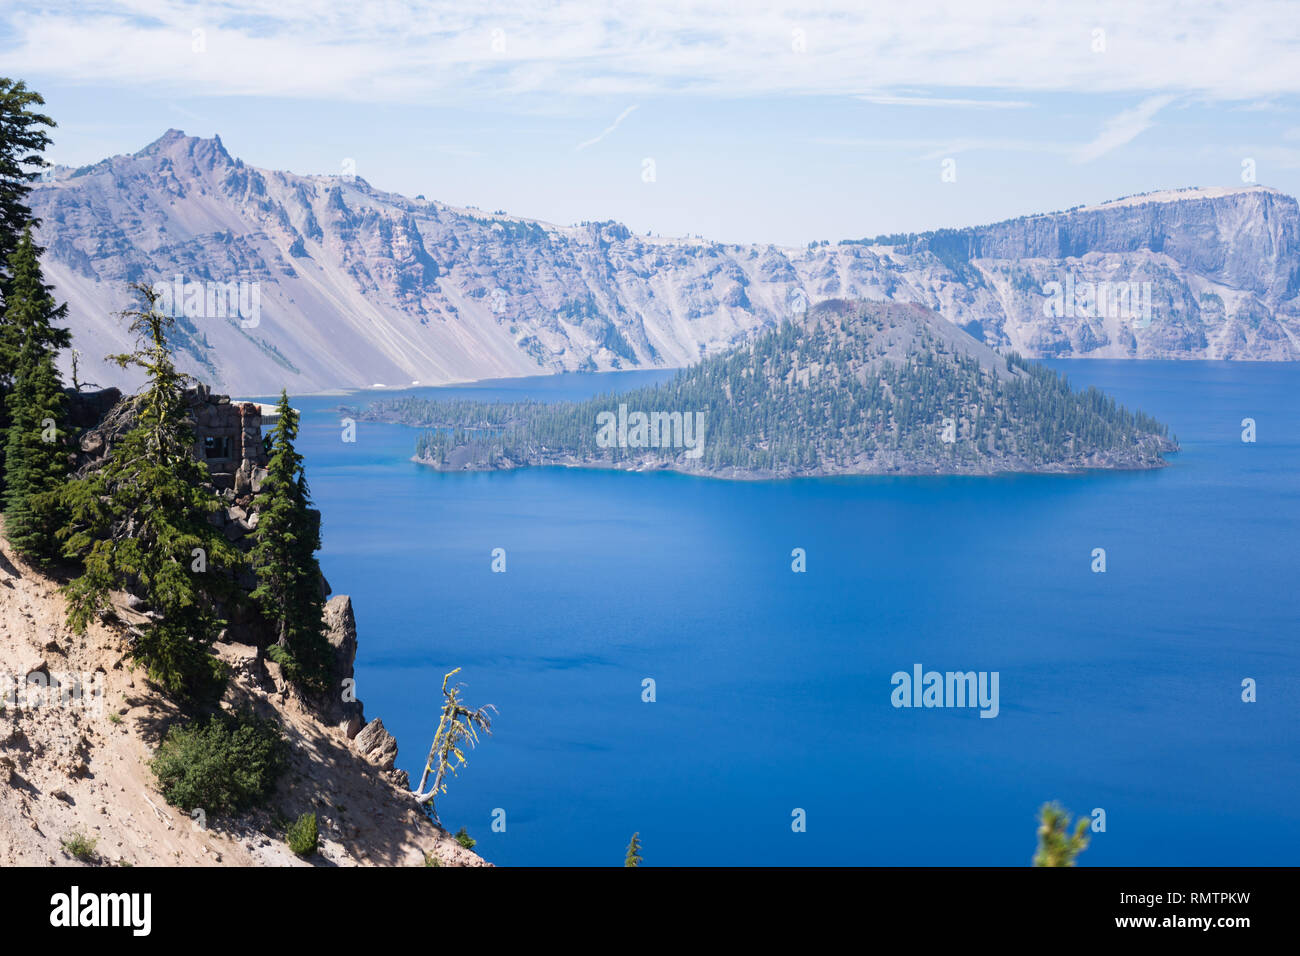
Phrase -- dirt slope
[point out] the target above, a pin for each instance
(69, 769)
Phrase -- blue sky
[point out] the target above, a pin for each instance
(824, 120)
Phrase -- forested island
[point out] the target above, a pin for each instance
(853, 388)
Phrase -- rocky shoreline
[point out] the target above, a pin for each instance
(1141, 459)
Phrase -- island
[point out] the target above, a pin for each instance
(852, 388)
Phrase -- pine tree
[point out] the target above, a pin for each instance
(35, 451)
(140, 523)
(22, 140)
(1056, 845)
(633, 857)
(284, 555)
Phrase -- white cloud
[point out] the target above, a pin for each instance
(1123, 128)
(447, 51)
(607, 130)
(882, 99)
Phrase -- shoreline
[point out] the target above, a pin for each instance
(745, 475)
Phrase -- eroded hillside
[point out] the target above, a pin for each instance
(356, 286)
(82, 769)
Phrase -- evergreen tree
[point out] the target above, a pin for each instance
(1056, 845)
(22, 140)
(140, 523)
(633, 857)
(36, 455)
(287, 537)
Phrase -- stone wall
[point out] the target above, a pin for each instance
(227, 435)
(228, 439)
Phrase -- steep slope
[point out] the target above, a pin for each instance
(68, 769)
(1207, 273)
(358, 287)
(857, 388)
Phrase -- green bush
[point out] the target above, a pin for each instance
(280, 655)
(221, 763)
(303, 835)
(81, 846)
(464, 839)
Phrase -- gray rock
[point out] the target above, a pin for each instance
(341, 632)
(376, 744)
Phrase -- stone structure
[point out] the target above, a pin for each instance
(227, 435)
(228, 438)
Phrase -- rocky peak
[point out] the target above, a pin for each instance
(359, 286)
(176, 146)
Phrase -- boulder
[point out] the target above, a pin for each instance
(376, 744)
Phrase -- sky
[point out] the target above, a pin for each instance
(737, 121)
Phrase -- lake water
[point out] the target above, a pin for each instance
(1119, 691)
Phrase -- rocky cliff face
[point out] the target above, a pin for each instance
(315, 282)
(80, 764)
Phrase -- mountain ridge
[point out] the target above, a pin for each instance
(360, 287)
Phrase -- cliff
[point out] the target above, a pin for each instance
(319, 282)
(74, 768)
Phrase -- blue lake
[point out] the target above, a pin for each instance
(1119, 691)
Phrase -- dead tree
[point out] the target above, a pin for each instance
(457, 726)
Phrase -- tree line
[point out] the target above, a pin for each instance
(140, 521)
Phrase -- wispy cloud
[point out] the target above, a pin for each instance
(957, 147)
(457, 151)
(1123, 128)
(607, 130)
(883, 99)
(446, 51)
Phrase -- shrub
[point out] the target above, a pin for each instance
(464, 839)
(80, 846)
(303, 835)
(221, 763)
(280, 655)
